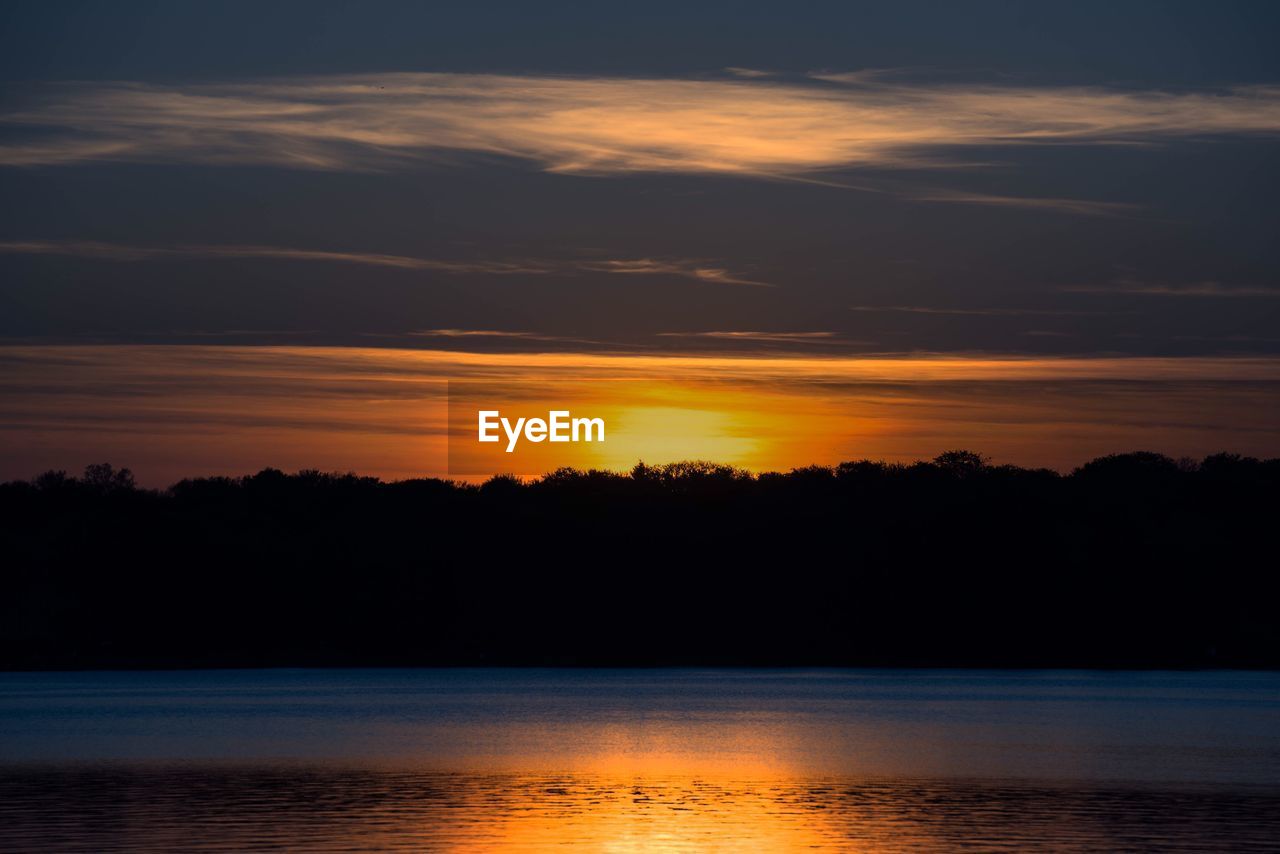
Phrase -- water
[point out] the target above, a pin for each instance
(651, 760)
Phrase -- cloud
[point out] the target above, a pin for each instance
(687, 269)
(123, 252)
(604, 125)
(474, 333)
(1201, 289)
(485, 336)
(758, 337)
(690, 269)
(1073, 206)
(21, 366)
(983, 312)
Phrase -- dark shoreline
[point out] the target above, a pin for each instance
(1132, 561)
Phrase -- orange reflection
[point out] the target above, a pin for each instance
(648, 814)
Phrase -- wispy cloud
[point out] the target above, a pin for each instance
(1073, 206)
(96, 250)
(605, 125)
(474, 333)
(866, 76)
(1199, 289)
(687, 269)
(125, 252)
(985, 312)
(481, 334)
(758, 337)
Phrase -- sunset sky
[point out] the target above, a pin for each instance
(772, 235)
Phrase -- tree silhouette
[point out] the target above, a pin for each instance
(1130, 560)
(960, 463)
(101, 477)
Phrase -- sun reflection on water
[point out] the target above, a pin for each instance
(322, 808)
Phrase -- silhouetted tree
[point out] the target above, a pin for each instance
(1131, 560)
(101, 477)
(52, 480)
(960, 463)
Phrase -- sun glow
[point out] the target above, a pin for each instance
(662, 434)
(384, 412)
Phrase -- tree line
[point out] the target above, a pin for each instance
(1130, 560)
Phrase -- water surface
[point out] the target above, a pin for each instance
(646, 760)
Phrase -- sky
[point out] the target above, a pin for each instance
(706, 192)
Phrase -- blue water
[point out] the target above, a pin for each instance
(639, 760)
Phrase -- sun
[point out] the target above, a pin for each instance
(663, 434)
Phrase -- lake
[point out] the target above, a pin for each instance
(641, 760)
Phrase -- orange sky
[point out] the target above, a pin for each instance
(175, 411)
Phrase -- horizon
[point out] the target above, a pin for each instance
(956, 460)
(399, 414)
